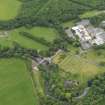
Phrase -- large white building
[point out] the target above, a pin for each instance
(89, 35)
(82, 33)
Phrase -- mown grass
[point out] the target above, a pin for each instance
(69, 24)
(14, 36)
(90, 14)
(82, 67)
(9, 9)
(15, 83)
(39, 83)
(48, 34)
(25, 42)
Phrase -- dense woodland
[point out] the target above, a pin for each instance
(49, 12)
(96, 95)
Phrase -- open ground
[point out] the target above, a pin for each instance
(9, 9)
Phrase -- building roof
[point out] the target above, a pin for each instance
(83, 22)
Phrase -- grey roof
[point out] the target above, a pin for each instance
(85, 45)
(83, 22)
(69, 33)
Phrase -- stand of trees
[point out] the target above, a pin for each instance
(39, 40)
(18, 51)
(95, 4)
(96, 95)
(58, 90)
(96, 20)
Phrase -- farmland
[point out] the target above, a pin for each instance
(48, 34)
(82, 67)
(16, 84)
(9, 9)
(34, 30)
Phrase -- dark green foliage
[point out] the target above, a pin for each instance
(61, 90)
(96, 4)
(52, 10)
(96, 20)
(96, 94)
(39, 40)
(18, 51)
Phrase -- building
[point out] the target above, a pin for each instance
(88, 35)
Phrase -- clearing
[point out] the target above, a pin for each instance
(48, 34)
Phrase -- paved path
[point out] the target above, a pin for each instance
(86, 90)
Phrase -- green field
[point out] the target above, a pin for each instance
(9, 9)
(90, 14)
(15, 83)
(68, 24)
(48, 34)
(25, 42)
(82, 67)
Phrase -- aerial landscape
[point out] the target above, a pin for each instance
(52, 52)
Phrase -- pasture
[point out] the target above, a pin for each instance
(82, 67)
(48, 34)
(9, 9)
(15, 83)
(25, 42)
(90, 14)
(14, 36)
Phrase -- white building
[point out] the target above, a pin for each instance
(88, 35)
(82, 33)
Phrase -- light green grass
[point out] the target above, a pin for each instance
(25, 42)
(14, 36)
(90, 14)
(39, 83)
(69, 24)
(4, 42)
(15, 83)
(82, 67)
(48, 34)
(9, 9)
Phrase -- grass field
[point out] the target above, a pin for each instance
(15, 83)
(69, 24)
(25, 42)
(48, 34)
(82, 67)
(90, 14)
(14, 36)
(9, 9)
